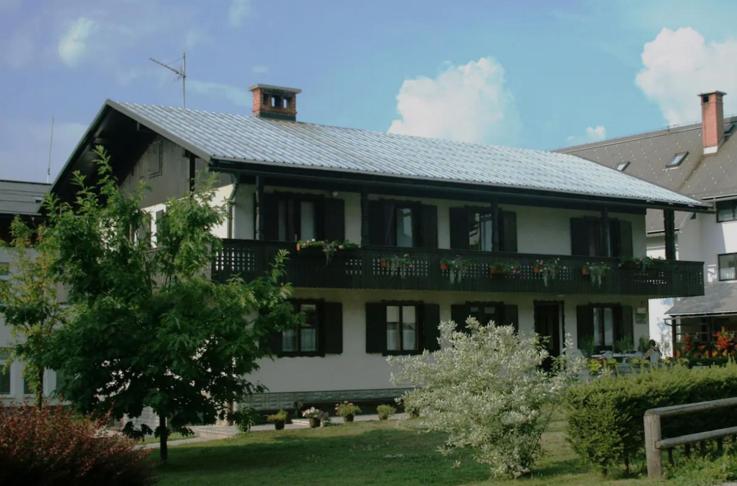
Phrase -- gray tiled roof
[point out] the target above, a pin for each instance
(718, 298)
(19, 197)
(222, 136)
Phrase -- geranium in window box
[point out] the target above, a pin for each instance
(329, 248)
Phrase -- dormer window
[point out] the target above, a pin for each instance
(676, 160)
(622, 166)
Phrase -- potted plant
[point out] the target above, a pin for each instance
(585, 270)
(399, 264)
(456, 268)
(548, 269)
(329, 248)
(347, 410)
(278, 419)
(597, 272)
(385, 411)
(314, 415)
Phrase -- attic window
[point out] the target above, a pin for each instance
(676, 160)
(622, 166)
(285, 103)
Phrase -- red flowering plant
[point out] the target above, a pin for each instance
(725, 343)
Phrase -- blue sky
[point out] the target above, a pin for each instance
(532, 74)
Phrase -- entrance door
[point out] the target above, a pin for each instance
(547, 324)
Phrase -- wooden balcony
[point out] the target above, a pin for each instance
(421, 269)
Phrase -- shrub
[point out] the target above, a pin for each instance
(347, 409)
(385, 411)
(52, 446)
(245, 418)
(605, 416)
(486, 390)
(279, 417)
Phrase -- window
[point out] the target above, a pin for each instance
(480, 231)
(587, 237)
(728, 266)
(404, 220)
(472, 228)
(4, 372)
(676, 160)
(303, 340)
(622, 166)
(401, 328)
(726, 210)
(296, 218)
(486, 312)
(156, 159)
(603, 327)
(403, 224)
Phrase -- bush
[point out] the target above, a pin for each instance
(347, 409)
(245, 419)
(52, 446)
(279, 417)
(385, 411)
(485, 389)
(605, 416)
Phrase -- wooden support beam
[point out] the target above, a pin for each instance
(669, 224)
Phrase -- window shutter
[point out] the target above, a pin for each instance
(459, 230)
(376, 226)
(508, 231)
(510, 315)
(623, 328)
(375, 327)
(275, 342)
(625, 239)
(428, 226)
(333, 327)
(584, 324)
(430, 331)
(459, 314)
(270, 213)
(333, 219)
(579, 237)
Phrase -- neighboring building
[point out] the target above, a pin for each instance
(698, 160)
(444, 229)
(17, 198)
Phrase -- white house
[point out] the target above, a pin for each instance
(545, 241)
(699, 160)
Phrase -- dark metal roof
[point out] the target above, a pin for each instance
(703, 177)
(21, 197)
(239, 139)
(718, 298)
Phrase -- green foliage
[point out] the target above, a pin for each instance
(51, 446)
(279, 417)
(30, 303)
(385, 411)
(149, 328)
(705, 471)
(605, 416)
(245, 418)
(345, 409)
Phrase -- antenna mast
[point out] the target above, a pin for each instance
(181, 73)
(51, 144)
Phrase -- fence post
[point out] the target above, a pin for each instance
(652, 453)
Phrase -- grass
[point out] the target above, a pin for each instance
(150, 439)
(370, 453)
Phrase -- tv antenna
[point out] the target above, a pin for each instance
(181, 73)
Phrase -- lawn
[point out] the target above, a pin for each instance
(379, 453)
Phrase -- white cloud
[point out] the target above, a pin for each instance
(237, 96)
(468, 103)
(679, 64)
(238, 12)
(591, 134)
(73, 43)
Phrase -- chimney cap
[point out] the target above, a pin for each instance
(272, 88)
(716, 92)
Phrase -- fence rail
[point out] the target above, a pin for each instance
(424, 269)
(654, 442)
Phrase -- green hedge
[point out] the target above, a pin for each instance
(605, 416)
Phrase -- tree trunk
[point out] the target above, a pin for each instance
(163, 436)
(40, 389)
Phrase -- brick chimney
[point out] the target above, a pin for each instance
(274, 101)
(712, 121)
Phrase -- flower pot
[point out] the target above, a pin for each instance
(278, 425)
(314, 422)
(348, 418)
(383, 417)
(585, 271)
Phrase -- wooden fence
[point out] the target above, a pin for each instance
(654, 442)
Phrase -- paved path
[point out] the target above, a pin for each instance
(207, 433)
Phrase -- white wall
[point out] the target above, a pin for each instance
(355, 369)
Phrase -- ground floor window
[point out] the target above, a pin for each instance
(305, 338)
(401, 328)
(728, 266)
(605, 327)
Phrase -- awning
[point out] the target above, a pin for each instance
(718, 299)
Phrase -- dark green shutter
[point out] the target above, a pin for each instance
(459, 229)
(584, 324)
(510, 315)
(270, 214)
(375, 327)
(459, 314)
(579, 237)
(333, 219)
(430, 331)
(333, 327)
(428, 226)
(275, 342)
(625, 239)
(508, 231)
(376, 223)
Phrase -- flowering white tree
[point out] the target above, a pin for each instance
(485, 388)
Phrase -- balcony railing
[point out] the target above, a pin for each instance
(422, 269)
